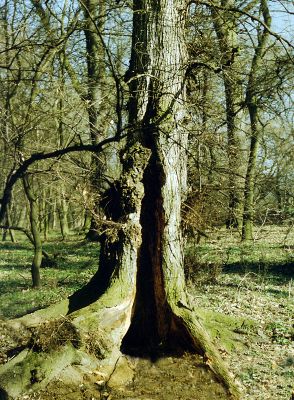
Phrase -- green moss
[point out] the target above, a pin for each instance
(34, 370)
(226, 331)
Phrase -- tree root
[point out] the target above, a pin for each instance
(89, 340)
(187, 321)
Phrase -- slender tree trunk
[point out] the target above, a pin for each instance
(225, 27)
(87, 220)
(34, 221)
(63, 220)
(248, 216)
(51, 212)
(44, 214)
(4, 234)
(252, 106)
(6, 114)
(12, 238)
(22, 216)
(94, 11)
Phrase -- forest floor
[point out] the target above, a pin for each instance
(263, 360)
(250, 284)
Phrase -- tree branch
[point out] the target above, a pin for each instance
(21, 170)
(27, 233)
(244, 11)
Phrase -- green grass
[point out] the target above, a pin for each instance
(271, 251)
(76, 259)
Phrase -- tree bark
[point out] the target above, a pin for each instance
(226, 29)
(136, 302)
(157, 111)
(94, 11)
(34, 221)
(248, 216)
(252, 95)
(63, 219)
(9, 223)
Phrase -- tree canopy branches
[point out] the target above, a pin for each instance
(19, 172)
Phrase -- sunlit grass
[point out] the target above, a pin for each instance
(272, 249)
(76, 261)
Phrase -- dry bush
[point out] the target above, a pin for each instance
(53, 334)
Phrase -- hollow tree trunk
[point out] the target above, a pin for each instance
(161, 316)
(136, 302)
(158, 112)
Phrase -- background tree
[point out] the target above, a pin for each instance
(251, 100)
(226, 27)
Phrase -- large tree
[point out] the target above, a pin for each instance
(136, 302)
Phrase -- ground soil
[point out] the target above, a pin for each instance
(264, 363)
(172, 378)
(168, 378)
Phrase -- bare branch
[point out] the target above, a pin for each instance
(280, 38)
(21, 170)
(26, 232)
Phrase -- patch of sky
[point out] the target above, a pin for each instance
(282, 12)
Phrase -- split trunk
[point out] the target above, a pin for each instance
(136, 303)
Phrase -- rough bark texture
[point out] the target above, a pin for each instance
(81, 331)
(162, 318)
(94, 11)
(137, 301)
(157, 112)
